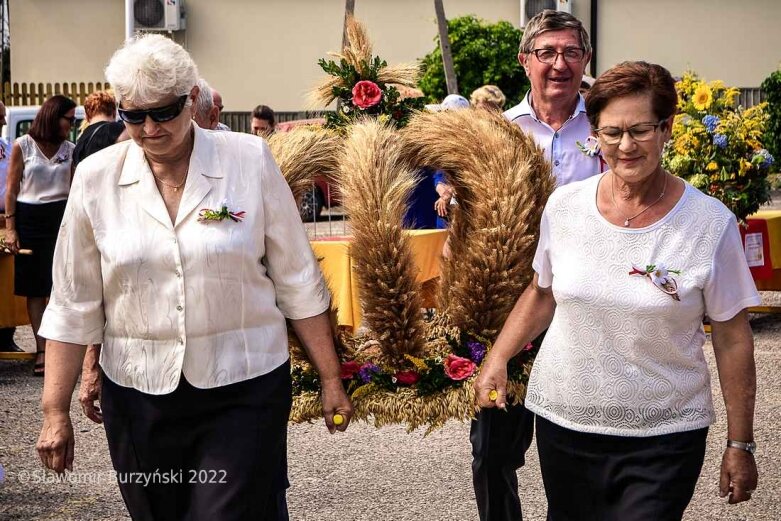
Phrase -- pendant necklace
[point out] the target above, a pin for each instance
(628, 220)
(174, 187)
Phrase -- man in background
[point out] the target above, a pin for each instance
(554, 52)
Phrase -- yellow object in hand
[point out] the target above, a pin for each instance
(338, 419)
(493, 395)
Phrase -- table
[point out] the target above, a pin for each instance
(336, 264)
(762, 244)
(13, 309)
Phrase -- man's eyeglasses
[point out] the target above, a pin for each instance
(158, 115)
(640, 132)
(570, 54)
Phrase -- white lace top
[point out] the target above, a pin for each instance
(44, 180)
(621, 356)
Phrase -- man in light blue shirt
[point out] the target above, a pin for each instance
(554, 52)
(568, 162)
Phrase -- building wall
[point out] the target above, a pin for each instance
(266, 51)
(63, 40)
(738, 42)
(252, 51)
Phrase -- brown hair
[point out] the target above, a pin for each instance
(551, 20)
(100, 102)
(264, 112)
(46, 125)
(630, 78)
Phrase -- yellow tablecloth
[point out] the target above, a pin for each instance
(13, 309)
(334, 259)
(336, 263)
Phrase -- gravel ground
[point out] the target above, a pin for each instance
(367, 473)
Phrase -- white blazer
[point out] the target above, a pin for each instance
(205, 299)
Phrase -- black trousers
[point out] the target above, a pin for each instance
(499, 443)
(615, 478)
(226, 446)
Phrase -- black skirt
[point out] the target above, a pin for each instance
(37, 226)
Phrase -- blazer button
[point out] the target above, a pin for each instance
(179, 308)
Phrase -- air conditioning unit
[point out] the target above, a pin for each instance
(158, 15)
(531, 8)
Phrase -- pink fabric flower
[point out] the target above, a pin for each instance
(366, 94)
(407, 377)
(457, 368)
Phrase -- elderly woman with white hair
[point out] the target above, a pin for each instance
(182, 252)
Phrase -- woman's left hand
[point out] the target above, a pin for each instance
(738, 475)
(336, 401)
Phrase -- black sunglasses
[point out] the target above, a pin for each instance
(158, 115)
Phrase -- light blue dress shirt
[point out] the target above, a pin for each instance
(568, 163)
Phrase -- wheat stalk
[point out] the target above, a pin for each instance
(304, 153)
(502, 182)
(375, 185)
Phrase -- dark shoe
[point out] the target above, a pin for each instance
(11, 348)
(39, 363)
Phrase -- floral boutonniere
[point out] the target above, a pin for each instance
(207, 215)
(61, 157)
(590, 147)
(659, 275)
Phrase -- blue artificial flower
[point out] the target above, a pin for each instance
(476, 352)
(366, 372)
(710, 122)
(763, 158)
(720, 140)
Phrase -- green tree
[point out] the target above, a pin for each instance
(772, 88)
(483, 54)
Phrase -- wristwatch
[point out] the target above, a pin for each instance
(748, 446)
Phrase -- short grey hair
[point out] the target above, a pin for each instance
(149, 68)
(550, 20)
(204, 103)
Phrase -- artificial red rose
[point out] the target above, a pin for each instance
(349, 369)
(457, 368)
(366, 94)
(407, 377)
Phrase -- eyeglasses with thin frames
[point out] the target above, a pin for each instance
(158, 114)
(570, 54)
(640, 132)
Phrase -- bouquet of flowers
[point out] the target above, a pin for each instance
(365, 85)
(717, 147)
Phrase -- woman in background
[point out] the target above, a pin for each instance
(38, 183)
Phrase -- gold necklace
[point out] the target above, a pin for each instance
(175, 187)
(627, 220)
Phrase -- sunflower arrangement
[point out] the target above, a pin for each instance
(717, 146)
(408, 366)
(365, 85)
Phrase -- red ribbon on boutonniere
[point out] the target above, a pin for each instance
(207, 215)
(659, 275)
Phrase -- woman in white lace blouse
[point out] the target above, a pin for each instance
(628, 264)
(182, 252)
